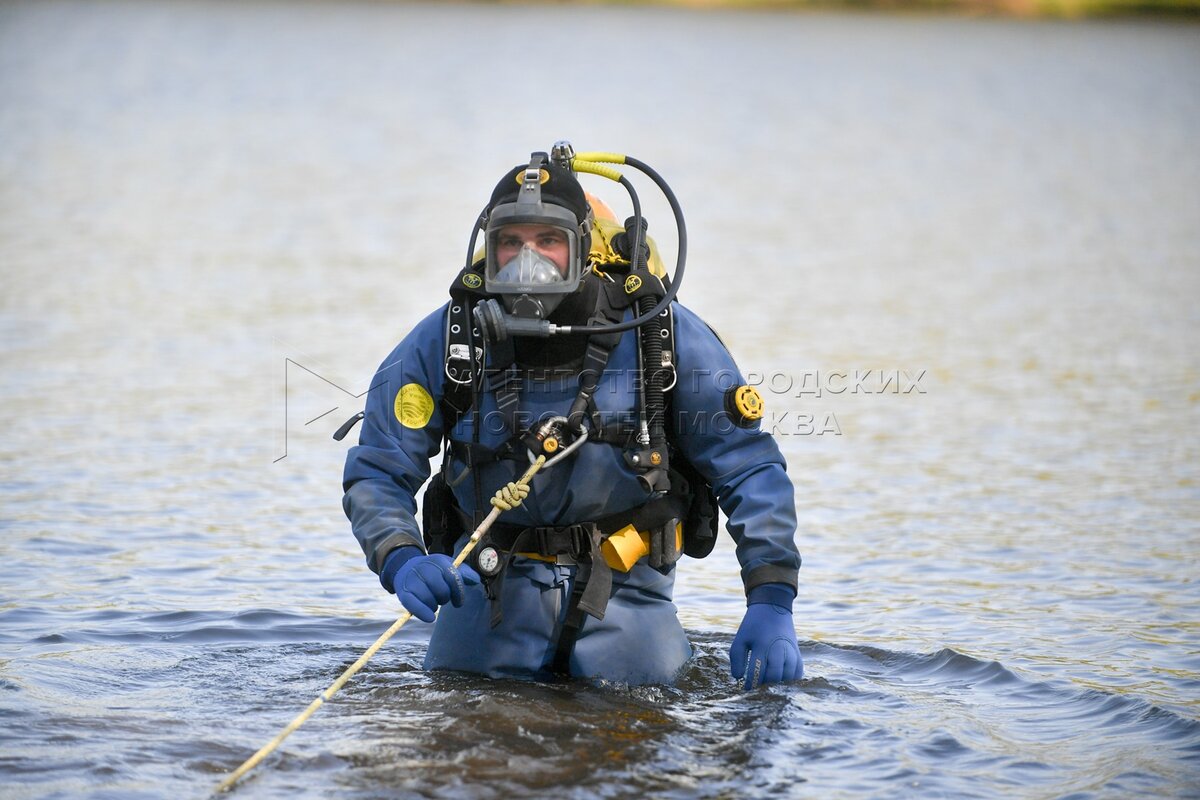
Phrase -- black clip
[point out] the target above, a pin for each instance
(341, 432)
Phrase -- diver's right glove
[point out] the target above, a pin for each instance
(422, 582)
(764, 649)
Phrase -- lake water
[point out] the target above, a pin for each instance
(217, 218)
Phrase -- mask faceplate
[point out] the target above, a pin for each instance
(528, 268)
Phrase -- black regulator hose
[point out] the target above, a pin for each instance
(654, 375)
(680, 257)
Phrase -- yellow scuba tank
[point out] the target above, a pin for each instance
(605, 228)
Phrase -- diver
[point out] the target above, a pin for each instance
(561, 339)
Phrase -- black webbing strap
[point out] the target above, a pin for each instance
(508, 395)
(595, 361)
(565, 539)
(575, 541)
(610, 309)
(495, 585)
(619, 430)
(479, 454)
(589, 596)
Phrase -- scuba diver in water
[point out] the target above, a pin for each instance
(563, 340)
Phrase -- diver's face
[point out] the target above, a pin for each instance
(547, 240)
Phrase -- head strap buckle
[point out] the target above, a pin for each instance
(531, 184)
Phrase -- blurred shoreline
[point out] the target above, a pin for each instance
(1032, 9)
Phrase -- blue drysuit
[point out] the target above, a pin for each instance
(640, 639)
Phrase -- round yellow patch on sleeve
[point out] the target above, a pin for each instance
(413, 406)
(749, 403)
(744, 405)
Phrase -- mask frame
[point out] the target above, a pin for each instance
(503, 218)
(529, 298)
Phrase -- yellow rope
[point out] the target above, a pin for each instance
(510, 496)
(516, 490)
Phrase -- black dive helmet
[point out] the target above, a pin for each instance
(538, 235)
(545, 193)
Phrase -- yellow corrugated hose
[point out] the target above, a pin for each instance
(508, 497)
(598, 164)
(596, 168)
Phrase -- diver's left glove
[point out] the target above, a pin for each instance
(422, 582)
(764, 649)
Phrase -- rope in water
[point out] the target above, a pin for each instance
(506, 498)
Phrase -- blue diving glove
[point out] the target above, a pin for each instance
(764, 649)
(422, 583)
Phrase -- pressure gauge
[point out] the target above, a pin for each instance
(489, 561)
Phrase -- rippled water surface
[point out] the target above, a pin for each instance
(216, 219)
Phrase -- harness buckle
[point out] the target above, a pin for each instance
(581, 540)
(564, 544)
(541, 541)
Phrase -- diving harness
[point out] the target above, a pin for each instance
(680, 515)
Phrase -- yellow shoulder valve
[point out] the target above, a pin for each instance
(745, 405)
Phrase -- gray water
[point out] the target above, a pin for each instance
(217, 218)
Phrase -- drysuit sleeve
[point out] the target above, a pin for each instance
(743, 464)
(401, 432)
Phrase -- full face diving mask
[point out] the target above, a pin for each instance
(520, 237)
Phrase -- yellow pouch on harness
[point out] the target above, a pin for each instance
(623, 549)
(629, 545)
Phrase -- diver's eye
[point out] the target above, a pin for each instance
(509, 241)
